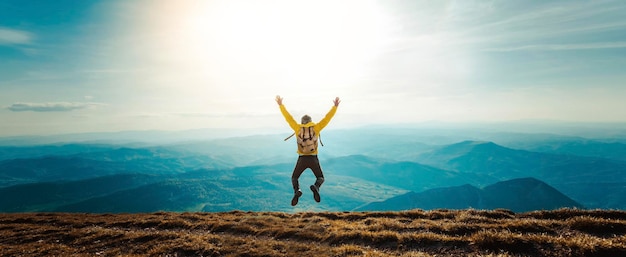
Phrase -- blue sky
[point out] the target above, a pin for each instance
(91, 66)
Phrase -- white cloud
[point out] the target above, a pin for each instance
(14, 37)
(49, 107)
(546, 23)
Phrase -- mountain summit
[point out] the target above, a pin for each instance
(519, 195)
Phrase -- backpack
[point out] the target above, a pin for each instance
(307, 140)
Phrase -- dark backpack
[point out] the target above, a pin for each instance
(307, 140)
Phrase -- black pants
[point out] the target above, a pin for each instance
(304, 162)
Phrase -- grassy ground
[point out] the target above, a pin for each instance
(565, 232)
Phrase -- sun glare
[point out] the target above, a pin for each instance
(288, 42)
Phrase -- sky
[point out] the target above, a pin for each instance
(116, 65)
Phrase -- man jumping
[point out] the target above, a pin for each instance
(307, 138)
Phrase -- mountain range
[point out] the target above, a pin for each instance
(375, 169)
(518, 195)
(591, 181)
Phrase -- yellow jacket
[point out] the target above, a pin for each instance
(317, 127)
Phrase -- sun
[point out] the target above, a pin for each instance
(286, 42)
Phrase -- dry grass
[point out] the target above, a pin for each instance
(566, 232)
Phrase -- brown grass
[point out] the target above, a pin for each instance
(565, 232)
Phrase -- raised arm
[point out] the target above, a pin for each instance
(292, 122)
(320, 125)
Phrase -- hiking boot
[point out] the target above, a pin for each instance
(295, 198)
(316, 193)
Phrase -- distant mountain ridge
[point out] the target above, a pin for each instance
(407, 175)
(104, 161)
(576, 176)
(605, 148)
(519, 195)
(253, 172)
(46, 196)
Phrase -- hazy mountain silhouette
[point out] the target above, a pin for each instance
(47, 195)
(162, 196)
(254, 188)
(579, 177)
(518, 195)
(17, 152)
(458, 197)
(408, 175)
(253, 172)
(607, 148)
(103, 162)
(56, 168)
(485, 158)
